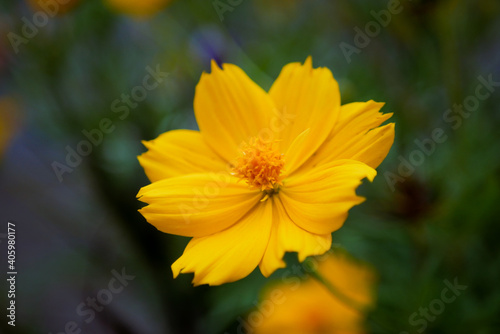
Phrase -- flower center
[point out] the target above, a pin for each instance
(260, 165)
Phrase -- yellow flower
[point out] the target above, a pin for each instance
(267, 173)
(54, 7)
(10, 119)
(308, 307)
(137, 8)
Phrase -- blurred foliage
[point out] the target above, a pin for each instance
(441, 223)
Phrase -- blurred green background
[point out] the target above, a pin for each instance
(436, 221)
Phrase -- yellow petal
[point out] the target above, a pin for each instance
(293, 154)
(318, 201)
(286, 236)
(308, 99)
(196, 204)
(177, 153)
(357, 136)
(230, 108)
(231, 254)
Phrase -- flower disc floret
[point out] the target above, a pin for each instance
(260, 164)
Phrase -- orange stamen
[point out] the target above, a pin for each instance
(260, 165)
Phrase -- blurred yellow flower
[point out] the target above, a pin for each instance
(138, 8)
(308, 307)
(53, 7)
(268, 172)
(9, 121)
(135, 8)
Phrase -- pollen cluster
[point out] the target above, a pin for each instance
(260, 165)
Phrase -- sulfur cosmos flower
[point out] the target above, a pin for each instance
(308, 307)
(268, 172)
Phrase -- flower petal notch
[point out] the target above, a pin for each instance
(268, 172)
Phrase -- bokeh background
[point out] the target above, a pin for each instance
(436, 221)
